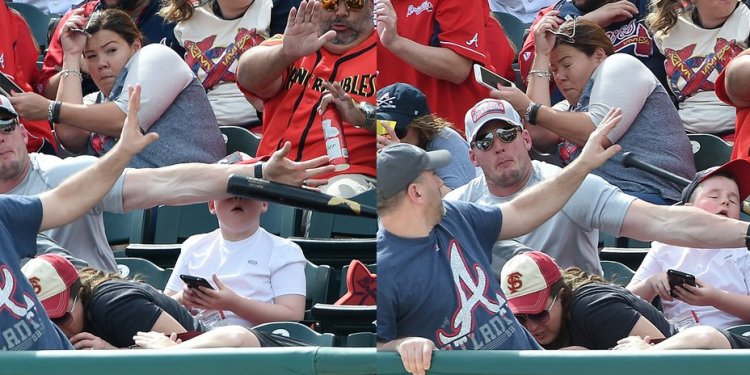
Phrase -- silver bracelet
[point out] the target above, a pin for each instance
(66, 72)
(539, 73)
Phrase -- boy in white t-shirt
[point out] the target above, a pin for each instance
(721, 297)
(257, 277)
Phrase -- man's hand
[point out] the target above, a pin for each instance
(512, 95)
(85, 340)
(301, 33)
(702, 294)
(633, 343)
(385, 18)
(155, 340)
(611, 13)
(598, 149)
(280, 169)
(344, 103)
(132, 140)
(416, 354)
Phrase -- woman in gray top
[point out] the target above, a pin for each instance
(173, 102)
(593, 79)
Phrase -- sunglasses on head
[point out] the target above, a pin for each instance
(331, 5)
(67, 317)
(506, 135)
(539, 318)
(567, 38)
(7, 126)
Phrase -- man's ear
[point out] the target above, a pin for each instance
(526, 139)
(473, 157)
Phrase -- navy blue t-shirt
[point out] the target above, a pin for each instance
(24, 324)
(441, 287)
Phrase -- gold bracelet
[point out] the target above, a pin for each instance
(66, 72)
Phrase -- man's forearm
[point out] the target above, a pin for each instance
(176, 185)
(438, 62)
(260, 67)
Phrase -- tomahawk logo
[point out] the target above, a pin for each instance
(24, 327)
(2, 60)
(7, 290)
(386, 101)
(471, 286)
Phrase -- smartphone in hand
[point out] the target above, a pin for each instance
(676, 278)
(195, 281)
(489, 79)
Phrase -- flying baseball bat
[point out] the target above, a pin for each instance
(295, 196)
(630, 160)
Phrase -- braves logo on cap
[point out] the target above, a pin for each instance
(386, 101)
(515, 282)
(486, 108)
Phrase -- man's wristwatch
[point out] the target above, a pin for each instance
(747, 238)
(370, 111)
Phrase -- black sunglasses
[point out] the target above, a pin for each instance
(67, 317)
(539, 318)
(7, 126)
(331, 5)
(506, 135)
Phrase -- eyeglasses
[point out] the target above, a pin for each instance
(506, 135)
(539, 318)
(67, 317)
(7, 126)
(567, 38)
(330, 5)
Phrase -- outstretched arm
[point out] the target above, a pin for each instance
(534, 206)
(84, 190)
(196, 182)
(261, 67)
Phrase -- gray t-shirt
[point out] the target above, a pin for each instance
(85, 237)
(460, 170)
(570, 236)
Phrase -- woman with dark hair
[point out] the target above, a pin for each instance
(699, 38)
(580, 58)
(573, 308)
(173, 102)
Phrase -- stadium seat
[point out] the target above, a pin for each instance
(325, 225)
(281, 220)
(709, 150)
(297, 331)
(240, 139)
(616, 272)
(316, 277)
(38, 22)
(742, 330)
(148, 272)
(174, 224)
(514, 27)
(361, 340)
(343, 320)
(124, 228)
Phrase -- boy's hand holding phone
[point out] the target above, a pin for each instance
(700, 294)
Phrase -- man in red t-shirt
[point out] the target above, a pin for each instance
(432, 44)
(321, 51)
(18, 55)
(733, 87)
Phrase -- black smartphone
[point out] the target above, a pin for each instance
(678, 278)
(195, 281)
(7, 85)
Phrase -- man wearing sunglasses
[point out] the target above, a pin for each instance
(436, 289)
(28, 174)
(326, 58)
(24, 325)
(500, 147)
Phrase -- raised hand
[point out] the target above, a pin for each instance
(543, 40)
(301, 33)
(297, 173)
(385, 18)
(72, 40)
(598, 149)
(611, 13)
(343, 101)
(132, 140)
(390, 139)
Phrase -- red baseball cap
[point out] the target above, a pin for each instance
(51, 275)
(526, 280)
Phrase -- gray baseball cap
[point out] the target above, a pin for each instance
(400, 164)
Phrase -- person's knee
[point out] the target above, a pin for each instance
(238, 337)
(707, 337)
(737, 81)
